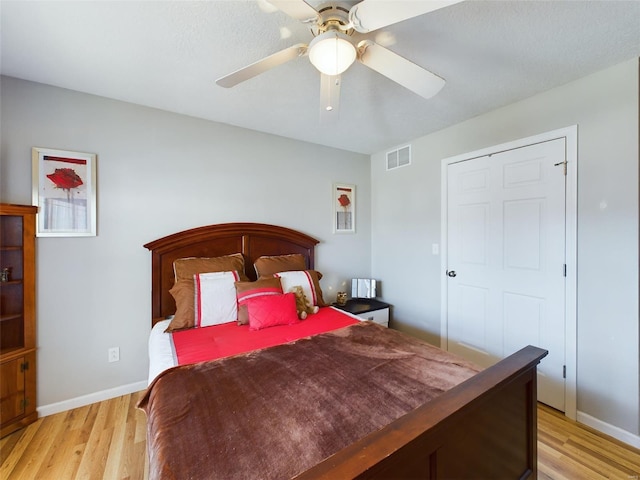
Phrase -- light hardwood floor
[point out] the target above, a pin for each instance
(568, 450)
(107, 441)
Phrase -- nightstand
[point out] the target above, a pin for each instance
(367, 309)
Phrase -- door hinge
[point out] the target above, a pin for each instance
(24, 366)
(564, 166)
(24, 403)
(564, 371)
(564, 270)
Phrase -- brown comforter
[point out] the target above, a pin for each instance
(273, 413)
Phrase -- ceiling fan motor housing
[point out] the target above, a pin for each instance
(333, 16)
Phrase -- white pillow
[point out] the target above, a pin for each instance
(215, 298)
(302, 278)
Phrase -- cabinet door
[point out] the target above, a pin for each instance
(11, 284)
(12, 401)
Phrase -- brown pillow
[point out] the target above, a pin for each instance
(316, 277)
(245, 291)
(186, 268)
(183, 293)
(266, 266)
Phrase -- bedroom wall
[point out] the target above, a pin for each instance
(158, 173)
(406, 218)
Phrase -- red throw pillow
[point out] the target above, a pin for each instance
(246, 292)
(272, 310)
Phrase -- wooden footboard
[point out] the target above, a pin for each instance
(485, 427)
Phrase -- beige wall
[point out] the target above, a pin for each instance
(158, 173)
(406, 218)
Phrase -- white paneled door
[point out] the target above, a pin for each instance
(506, 259)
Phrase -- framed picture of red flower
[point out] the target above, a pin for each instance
(344, 208)
(64, 190)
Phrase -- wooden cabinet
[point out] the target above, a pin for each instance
(17, 317)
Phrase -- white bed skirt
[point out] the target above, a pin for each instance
(162, 354)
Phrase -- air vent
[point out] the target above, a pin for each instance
(399, 158)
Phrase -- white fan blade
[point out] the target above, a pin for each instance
(298, 9)
(400, 70)
(370, 15)
(267, 63)
(329, 96)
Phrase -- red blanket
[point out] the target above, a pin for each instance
(219, 341)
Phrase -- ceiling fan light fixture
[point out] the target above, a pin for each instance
(332, 52)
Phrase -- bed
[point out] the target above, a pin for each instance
(359, 401)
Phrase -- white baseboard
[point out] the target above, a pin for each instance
(611, 430)
(101, 396)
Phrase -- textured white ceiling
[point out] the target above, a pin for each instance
(168, 54)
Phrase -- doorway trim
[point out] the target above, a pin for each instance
(570, 134)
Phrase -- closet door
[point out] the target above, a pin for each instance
(506, 259)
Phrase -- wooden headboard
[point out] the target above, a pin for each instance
(251, 239)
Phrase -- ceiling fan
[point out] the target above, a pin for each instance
(340, 38)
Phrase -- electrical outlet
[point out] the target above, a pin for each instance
(114, 354)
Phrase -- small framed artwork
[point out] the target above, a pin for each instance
(344, 208)
(64, 190)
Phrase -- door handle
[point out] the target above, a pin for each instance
(451, 273)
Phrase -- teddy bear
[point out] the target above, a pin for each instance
(303, 306)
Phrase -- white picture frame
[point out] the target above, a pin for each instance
(64, 190)
(344, 208)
